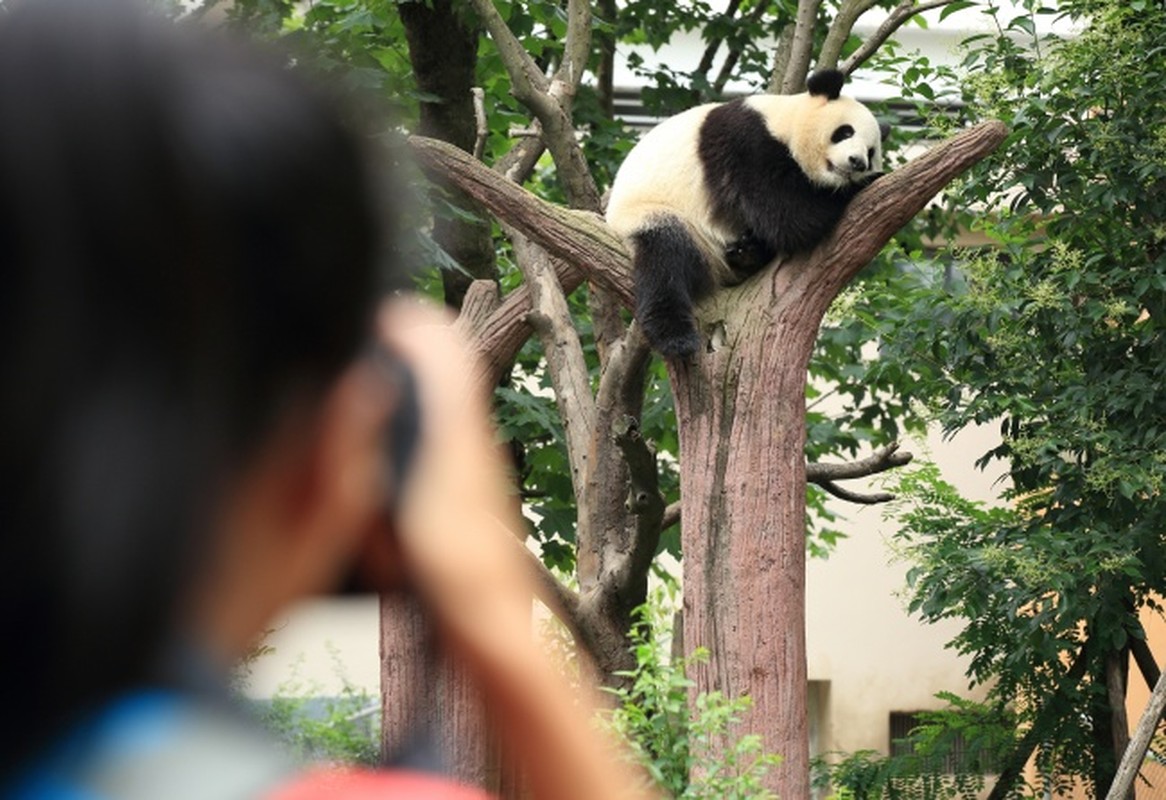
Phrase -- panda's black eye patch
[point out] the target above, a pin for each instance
(841, 134)
(870, 155)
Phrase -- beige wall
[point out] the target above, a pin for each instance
(318, 643)
(871, 657)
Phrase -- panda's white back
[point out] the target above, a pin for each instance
(662, 173)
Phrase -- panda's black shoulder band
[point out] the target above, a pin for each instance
(826, 82)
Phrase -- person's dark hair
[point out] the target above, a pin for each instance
(187, 245)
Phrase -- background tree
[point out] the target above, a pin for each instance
(1057, 335)
(740, 409)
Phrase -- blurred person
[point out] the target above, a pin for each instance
(193, 418)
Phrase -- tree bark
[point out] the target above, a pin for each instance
(1116, 675)
(430, 709)
(443, 46)
(740, 411)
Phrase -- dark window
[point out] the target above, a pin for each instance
(960, 757)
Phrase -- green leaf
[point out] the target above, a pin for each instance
(951, 8)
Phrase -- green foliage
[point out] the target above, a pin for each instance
(690, 754)
(1056, 335)
(314, 727)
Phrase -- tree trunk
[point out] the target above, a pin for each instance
(740, 409)
(741, 412)
(443, 50)
(422, 695)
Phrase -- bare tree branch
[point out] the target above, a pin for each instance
(858, 498)
(519, 161)
(801, 47)
(607, 325)
(781, 56)
(498, 338)
(826, 475)
(550, 100)
(581, 238)
(840, 28)
(644, 501)
(527, 82)
(901, 13)
(577, 48)
(551, 320)
(621, 383)
(881, 460)
(481, 127)
(478, 306)
(605, 68)
(1119, 724)
(637, 353)
(1145, 660)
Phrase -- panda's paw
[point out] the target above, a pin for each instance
(748, 255)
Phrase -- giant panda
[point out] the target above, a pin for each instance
(712, 195)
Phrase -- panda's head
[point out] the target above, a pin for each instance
(836, 140)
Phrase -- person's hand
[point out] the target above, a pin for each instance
(457, 521)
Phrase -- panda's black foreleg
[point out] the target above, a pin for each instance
(670, 276)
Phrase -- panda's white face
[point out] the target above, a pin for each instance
(850, 157)
(838, 143)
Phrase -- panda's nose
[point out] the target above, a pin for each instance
(858, 163)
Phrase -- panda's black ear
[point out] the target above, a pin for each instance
(826, 82)
(884, 130)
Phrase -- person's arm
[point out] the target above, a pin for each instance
(456, 524)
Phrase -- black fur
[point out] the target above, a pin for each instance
(670, 275)
(826, 82)
(758, 189)
(748, 255)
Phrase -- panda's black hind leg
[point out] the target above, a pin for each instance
(670, 276)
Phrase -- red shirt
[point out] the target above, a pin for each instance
(350, 784)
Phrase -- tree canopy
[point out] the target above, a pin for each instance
(1055, 333)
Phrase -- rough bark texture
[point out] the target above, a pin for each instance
(419, 683)
(740, 411)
